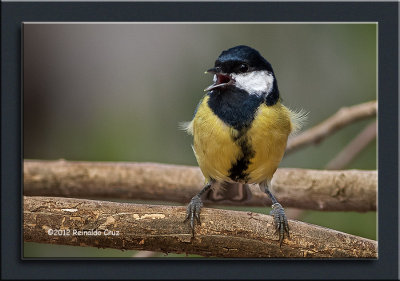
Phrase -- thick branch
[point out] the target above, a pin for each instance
(348, 190)
(160, 228)
(340, 119)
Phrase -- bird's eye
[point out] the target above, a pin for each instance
(243, 68)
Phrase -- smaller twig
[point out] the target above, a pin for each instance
(343, 117)
(359, 143)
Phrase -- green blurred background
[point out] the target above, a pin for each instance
(116, 92)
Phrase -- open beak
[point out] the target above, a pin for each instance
(222, 80)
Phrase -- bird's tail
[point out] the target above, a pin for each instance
(227, 191)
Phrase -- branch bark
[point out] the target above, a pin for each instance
(340, 119)
(160, 228)
(347, 190)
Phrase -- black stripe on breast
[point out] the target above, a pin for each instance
(238, 170)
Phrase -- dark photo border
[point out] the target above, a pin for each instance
(14, 13)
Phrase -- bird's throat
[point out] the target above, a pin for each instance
(234, 106)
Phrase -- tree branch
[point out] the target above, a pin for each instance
(160, 228)
(355, 147)
(340, 119)
(358, 144)
(348, 190)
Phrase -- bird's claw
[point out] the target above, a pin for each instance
(193, 211)
(280, 221)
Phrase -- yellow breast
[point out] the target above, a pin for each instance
(268, 136)
(213, 145)
(217, 148)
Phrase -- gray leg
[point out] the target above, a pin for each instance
(194, 207)
(280, 220)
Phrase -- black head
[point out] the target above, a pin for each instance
(241, 59)
(244, 68)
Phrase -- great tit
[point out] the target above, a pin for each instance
(240, 129)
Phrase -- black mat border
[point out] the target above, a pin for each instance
(13, 13)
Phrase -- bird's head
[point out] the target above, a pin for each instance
(243, 67)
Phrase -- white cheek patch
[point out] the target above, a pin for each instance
(255, 82)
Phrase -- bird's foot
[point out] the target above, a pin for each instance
(280, 221)
(193, 211)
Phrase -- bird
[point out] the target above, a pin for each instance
(240, 130)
